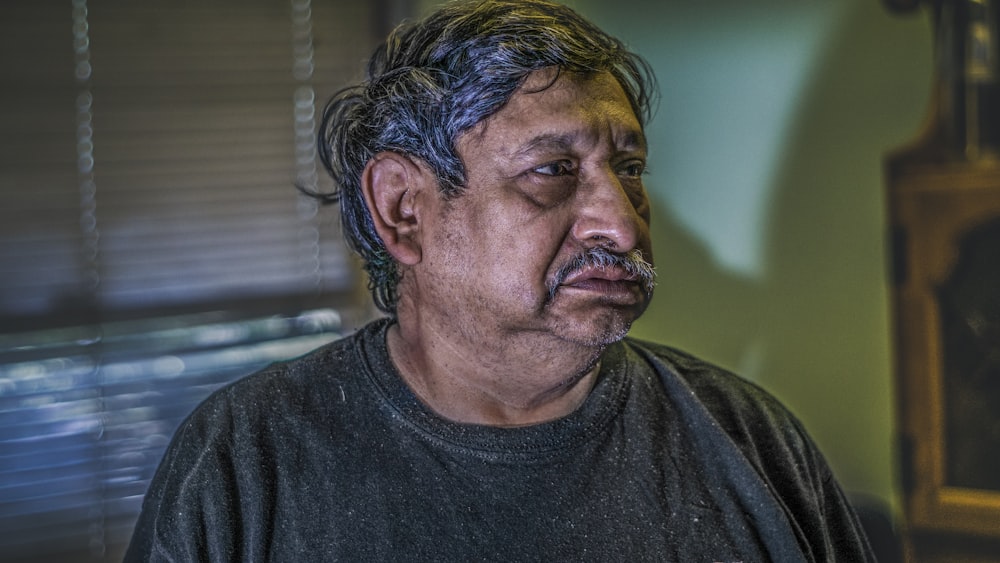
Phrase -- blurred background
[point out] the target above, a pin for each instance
(153, 245)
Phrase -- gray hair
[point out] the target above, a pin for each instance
(433, 80)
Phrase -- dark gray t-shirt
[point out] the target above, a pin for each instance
(332, 458)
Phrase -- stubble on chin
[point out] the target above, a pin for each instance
(596, 332)
(609, 336)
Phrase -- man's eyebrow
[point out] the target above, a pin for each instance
(558, 142)
(632, 140)
(555, 142)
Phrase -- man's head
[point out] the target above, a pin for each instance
(434, 80)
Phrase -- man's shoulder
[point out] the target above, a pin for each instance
(746, 411)
(322, 376)
(771, 438)
(707, 380)
(336, 359)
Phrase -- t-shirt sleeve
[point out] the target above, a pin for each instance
(188, 513)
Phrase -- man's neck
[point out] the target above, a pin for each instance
(495, 384)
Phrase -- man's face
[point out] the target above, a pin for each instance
(555, 173)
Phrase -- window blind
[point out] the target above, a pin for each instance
(40, 238)
(151, 149)
(153, 246)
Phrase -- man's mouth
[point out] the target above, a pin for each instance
(608, 283)
(610, 274)
(591, 273)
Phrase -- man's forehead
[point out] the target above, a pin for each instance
(540, 79)
(553, 83)
(556, 109)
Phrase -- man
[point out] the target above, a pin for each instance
(490, 175)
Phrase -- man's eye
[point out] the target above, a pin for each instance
(633, 169)
(560, 168)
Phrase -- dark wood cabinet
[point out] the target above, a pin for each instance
(944, 216)
(945, 220)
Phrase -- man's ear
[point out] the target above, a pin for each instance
(391, 183)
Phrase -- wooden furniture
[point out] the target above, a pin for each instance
(944, 207)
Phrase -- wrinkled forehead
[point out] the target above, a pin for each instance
(552, 100)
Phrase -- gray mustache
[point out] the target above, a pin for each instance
(632, 262)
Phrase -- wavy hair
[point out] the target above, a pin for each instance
(432, 80)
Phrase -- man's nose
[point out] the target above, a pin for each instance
(608, 217)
